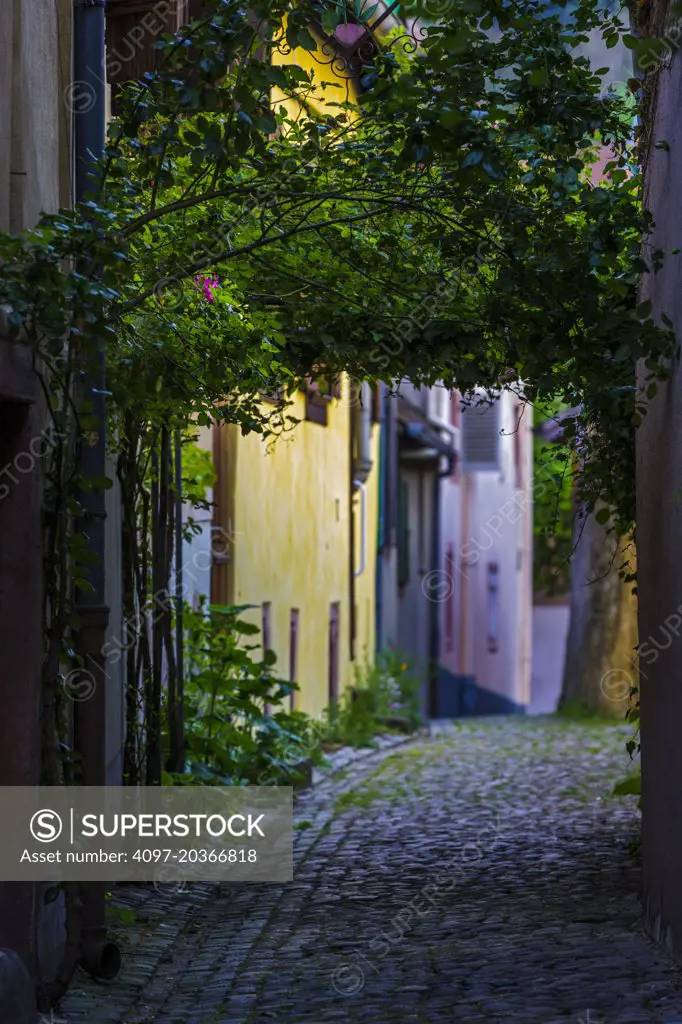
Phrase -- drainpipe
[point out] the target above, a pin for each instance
(99, 957)
(363, 466)
(379, 602)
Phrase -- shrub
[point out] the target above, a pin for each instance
(385, 698)
(230, 738)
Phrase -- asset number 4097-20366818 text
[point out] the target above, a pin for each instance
(192, 856)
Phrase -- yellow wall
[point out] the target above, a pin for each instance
(331, 83)
(290, 508)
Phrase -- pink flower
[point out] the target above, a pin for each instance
(207, 286)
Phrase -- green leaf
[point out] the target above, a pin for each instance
(306, 40)
(473, 157)
(632, 786)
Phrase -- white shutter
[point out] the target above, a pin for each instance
(480, 437)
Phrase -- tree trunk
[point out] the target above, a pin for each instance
(600, 649)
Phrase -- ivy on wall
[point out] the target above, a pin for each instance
(444, 228)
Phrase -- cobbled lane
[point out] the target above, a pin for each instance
(484, 873)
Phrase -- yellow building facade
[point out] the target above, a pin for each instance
(301, 513)
(302, 542)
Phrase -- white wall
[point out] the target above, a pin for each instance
(499, 530)
(197, 552)
(550, 629)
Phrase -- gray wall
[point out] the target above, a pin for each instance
(35, 63)
(414, 606)
(35, 47)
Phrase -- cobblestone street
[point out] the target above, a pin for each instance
(484, 873)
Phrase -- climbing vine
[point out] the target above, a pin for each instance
(241, 234)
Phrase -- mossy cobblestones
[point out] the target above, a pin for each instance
(482, 874)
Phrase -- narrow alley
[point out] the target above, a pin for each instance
(485, 872)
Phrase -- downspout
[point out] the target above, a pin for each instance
(463, 632)
(99, 957)
(379, 597)
(364, 445)
(360, 467)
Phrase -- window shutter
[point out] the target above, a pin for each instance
(480, 437)
(132, 28)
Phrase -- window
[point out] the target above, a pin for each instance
(493, 607)
(293, 651)
(333, 670)
(319, 391)
(132, 29)
(275, 397)
(480, 437)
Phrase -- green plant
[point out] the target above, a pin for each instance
(364, 796)
(470, 151)
(385, 697)
(631, 785)
(237, 730)
(553, 510)
(578, 711)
